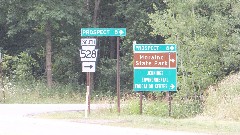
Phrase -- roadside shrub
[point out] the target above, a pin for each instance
(186, 108)
(156, 108)
(19, 68)
(131, 107)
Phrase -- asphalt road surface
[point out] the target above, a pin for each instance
(15, 120)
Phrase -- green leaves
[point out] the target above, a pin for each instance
(207, 34)
(19, 67)
(22, 15)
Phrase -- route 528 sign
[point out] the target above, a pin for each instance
(88, 53)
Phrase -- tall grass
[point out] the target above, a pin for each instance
(37, 92)
(223, 100)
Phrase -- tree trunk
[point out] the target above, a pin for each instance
(95, 14)
(112, 47)
(48, 53)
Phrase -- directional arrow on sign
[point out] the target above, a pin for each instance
(172, 60)
(172, 86)
(89, 66)
(121, 32)
(172, 48)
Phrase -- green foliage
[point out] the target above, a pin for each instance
(66, 66)
(106, 75)
(156, 108)
(20, 67)
(186, 108)
(131, 107)
(207, 50)
(26, 15)
(25, 27)
(206, 32)
(179, 108)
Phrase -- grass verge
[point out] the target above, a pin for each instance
(105, 117)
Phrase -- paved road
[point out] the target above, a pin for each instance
(14, 120)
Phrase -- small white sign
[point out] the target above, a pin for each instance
(88, 41)
(88, 66)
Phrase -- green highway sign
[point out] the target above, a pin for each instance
(154, 48)
(94, 32)
(155, 67)
(155, 79)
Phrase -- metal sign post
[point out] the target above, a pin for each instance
(88, 92)
(169, 98)
(87, 105)
(140, 104)
(118, 75)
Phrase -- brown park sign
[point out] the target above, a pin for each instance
(164, 60)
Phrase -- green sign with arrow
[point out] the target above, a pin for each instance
(93, 32)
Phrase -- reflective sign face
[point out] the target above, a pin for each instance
(88, 54)
(88, 32)
(149, 48)
(88, 66)
(155, 60)
(155, 79)
(155, 67)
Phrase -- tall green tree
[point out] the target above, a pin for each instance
(206, 33)
(45, 17)
(132, 15)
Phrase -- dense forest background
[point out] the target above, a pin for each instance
(39, 41)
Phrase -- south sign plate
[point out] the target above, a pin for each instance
(88, 41)
(92, 32)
